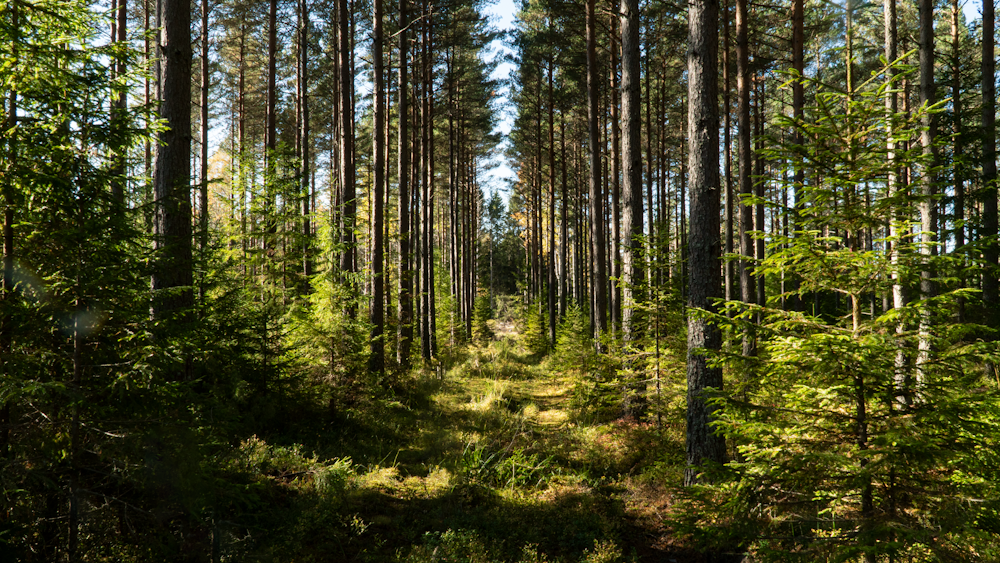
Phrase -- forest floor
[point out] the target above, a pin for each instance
(500, 456)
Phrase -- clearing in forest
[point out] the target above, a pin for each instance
(503, 455)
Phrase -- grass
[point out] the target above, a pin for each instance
(491, 458)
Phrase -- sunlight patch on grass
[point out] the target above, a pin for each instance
(383, 478)
(551, 417)
(491, 397)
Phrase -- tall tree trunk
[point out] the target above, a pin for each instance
(205, 84)
(564, 222)
(798, 113)
(759, 192)
(7, 326)
(729, 282)
(615, 184)
(703, 444)
(599, 281)
(958, 165)
(989, 163)
(305, 170)
(426, 235)
(743, 83)
(270, 138)
(431, 188)
(348, 264)
(632, 159)
(552, 213)
(172, 169)
(928, 188)
(404, 333)
(119, 104)
(376, 362)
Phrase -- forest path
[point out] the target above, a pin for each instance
(495, 457)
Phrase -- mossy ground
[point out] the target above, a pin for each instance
(491, 457)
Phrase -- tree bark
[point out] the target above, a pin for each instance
(552, 214)
(404, 333)
(172, 273)
(632, 159)
(305, 170)
(348, 263)
(989, 164)
(743, 83)
(376, 362)
(599, 281)
(270, 137)
(928, 188)
(205, 84)
(703, 444)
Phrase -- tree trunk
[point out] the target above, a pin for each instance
(632, 159)
(616, 188)
(7, 327)
(798, 113)
(376, 362)
(348, 263)
(552, 214)
(928, 189)
(119, 102)
(564, 223)
(989, 164)
(729, 282)
(404, 333)
(305, 170)
(172, 169)
(205, 84)
(743, 83)
(958, 157)
(270, 138)
(598, 286)
(703, 444)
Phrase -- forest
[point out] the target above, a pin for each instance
(265, 298)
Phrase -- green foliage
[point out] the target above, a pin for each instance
(481, 313)
(506, 468)
(531, 326)
(859, 439)
(467, 546)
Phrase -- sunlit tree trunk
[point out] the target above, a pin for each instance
(348, 263)
(599, 282)
(743, 83)
(632, 226)
(928, 188)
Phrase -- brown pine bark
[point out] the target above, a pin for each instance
(599, 279)
(552, 214)
(615, 183)
(404, 333)
(743, 84)
(703, 444)
(631, 154)
(348, 264)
